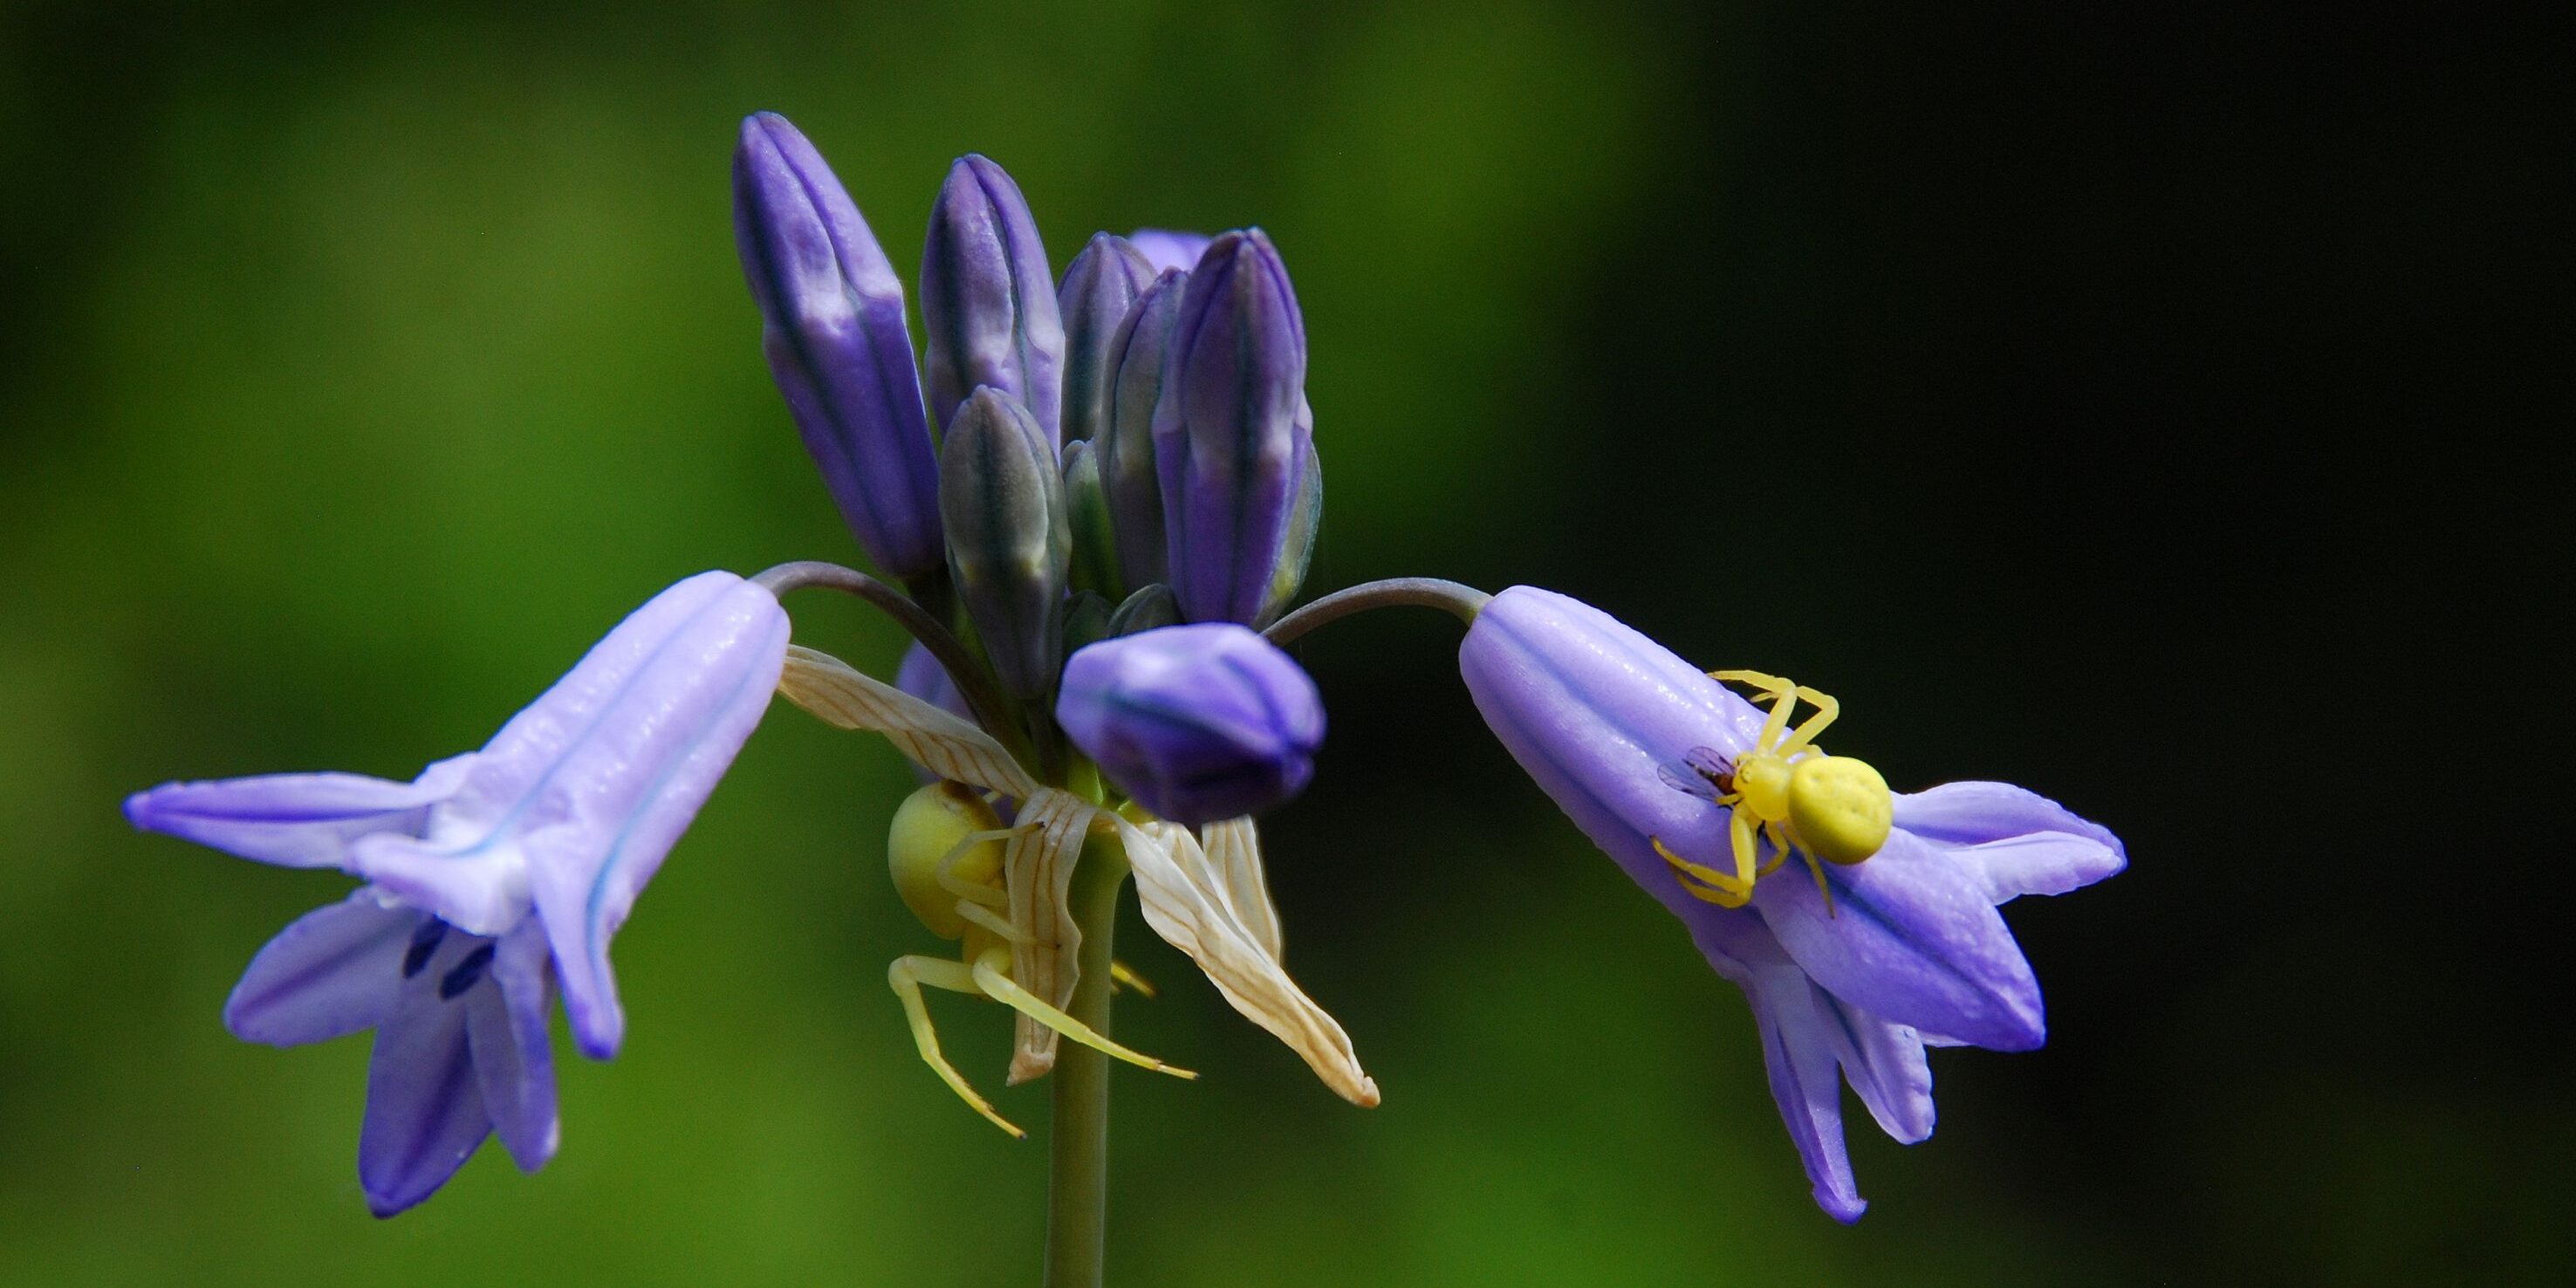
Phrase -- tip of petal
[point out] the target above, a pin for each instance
(1842, 1207)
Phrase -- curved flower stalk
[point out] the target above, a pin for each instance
(1856, 969)
(506, 871)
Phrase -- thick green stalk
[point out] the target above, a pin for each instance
(1078, 1144)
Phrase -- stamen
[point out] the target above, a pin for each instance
(424, 941)
(469, 972)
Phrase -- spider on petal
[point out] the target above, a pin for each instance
(945, 851)
(1833, 808)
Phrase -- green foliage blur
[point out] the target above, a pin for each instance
(360, 364)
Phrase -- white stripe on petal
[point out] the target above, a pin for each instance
(1186, 903)
(838, 694)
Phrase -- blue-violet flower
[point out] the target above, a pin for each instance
(1197, 723)
(1856, 968)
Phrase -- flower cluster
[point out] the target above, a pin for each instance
(1091, 500)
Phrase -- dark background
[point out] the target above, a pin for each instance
(2144, 408)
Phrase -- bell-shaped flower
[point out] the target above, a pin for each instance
(1197, 723)
(1854, 962)
(1234, 438)
(561, 818)
(987, 301)
(831, 311)
(461, 1051)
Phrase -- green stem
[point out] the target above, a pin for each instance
(1460, 601)
(1078, 1144)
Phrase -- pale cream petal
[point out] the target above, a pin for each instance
(940, 742)
(1186, 903)
(1037, 873)
(1234, 851)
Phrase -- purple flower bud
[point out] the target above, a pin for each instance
(1164, 248)
(1198, 723)
(1230, 446)
(1127, 467)
(1100, 286)
(1086, 507)
(832, 325)
(1009, 542)
(987, 300)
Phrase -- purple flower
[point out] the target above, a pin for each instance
(832, 325)
(1197, 723)
(461, 1044)
(551, 830)
(1233, 439)
(987, 301)
(1909, 949)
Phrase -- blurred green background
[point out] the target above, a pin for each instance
(2084, 399)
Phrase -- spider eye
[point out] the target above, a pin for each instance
(1701, 772)
(1840, 807)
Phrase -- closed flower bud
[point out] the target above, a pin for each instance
(1099, 288)
(987, 300)
(1230, 445)
(1095, 554)
(1126, 444)
(832, 325)
(1008, 542)
(1150, 608)
(1197, 723)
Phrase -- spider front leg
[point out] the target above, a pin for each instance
(1805, 737)
(991, 977)
(1782, 695)
(1709, 885)
(906, 975)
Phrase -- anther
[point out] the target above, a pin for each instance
(466, 974)
(424, 941)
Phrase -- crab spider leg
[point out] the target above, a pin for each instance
(1782, 695)
(992, 921)
(1000, 987)
(946, 874)
(1121, 973)
(906, 975)
(1805, 737)
(1780, 847)
(1712, 886)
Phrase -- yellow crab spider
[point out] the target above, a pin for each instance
(944, 851)
(1833, 808)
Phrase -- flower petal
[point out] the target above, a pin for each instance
(333, 971)
(505, 1021)
(294, 820)
(1910, 936)
(1186, 904)
(425, 1113)
(1798, 1051)
(1037, 874)
(1234, 854)
(2018, 841)
(946, 745)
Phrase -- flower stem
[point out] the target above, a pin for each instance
(992, 710)
(1078, 1144)
(1462, 601)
